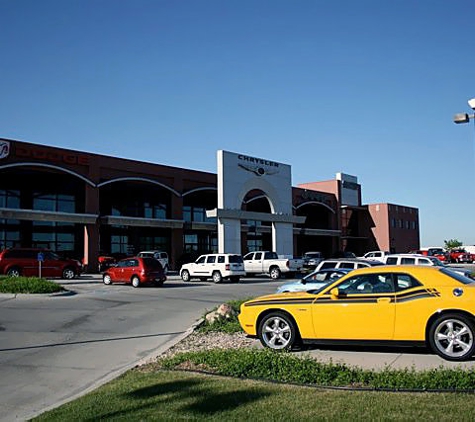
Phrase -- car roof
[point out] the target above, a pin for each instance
(367, 261)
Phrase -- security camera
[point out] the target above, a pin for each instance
(471, 103)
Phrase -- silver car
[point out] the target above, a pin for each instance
(314, 281)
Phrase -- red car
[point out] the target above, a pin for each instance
(36, 262)
(135, 271)
(460, 256)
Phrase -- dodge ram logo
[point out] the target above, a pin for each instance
(259, 171)
(4, 149)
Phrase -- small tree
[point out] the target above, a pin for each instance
(452, 244)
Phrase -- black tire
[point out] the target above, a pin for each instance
(69, 273)
(235, 278)
(275, 273)
(217, 277)
(277, 331)
(452, 337)
(14, 272)
(185, 275)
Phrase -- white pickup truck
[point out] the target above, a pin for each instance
(265, 262)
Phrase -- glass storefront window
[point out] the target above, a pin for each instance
(54, 202)
(9, 198)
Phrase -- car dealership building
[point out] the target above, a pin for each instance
(84, 205)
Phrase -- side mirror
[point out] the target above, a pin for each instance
(335, 293)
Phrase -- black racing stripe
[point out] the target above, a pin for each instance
(418, 296)
(302, 301)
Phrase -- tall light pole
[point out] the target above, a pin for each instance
(465, 117)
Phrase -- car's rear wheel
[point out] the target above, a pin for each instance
(452, 336)
(14, 272)
(217, 278)
(277, 331)
(185, 275)
(274, 273)
(135, 281)
(69, 273)
(106, 279)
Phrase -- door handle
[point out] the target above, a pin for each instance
(384, 299)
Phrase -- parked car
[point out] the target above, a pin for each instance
(216, 266)
(350, 263)
(421, 305)
(412, 259)
(314, 280)
(311, 260)
(161, 256)
(26, 262)
(135, 271)
(267, 262)
(460, 256)
(375, 255)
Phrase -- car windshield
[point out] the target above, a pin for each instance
(436, 261)
(457, 276)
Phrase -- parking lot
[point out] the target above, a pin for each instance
(55, 348)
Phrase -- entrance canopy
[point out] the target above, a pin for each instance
(238, 174)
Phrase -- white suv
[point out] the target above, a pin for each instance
(412, 259)
(217, 266)
(160, 256)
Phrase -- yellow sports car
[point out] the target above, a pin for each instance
(410, 305)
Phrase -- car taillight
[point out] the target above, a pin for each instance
(228, 267)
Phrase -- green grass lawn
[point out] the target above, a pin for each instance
(179, 395)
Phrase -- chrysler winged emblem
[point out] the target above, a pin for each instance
(4, 149)
(259, 171)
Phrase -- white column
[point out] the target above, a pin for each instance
(282, 238)
(229, 235)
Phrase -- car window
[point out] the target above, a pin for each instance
(391, 261)
(408, 261)
(405, 281)
(221, 259)
(152, 263)
(423, 261)
(328, 265)
(122, 264)
(258, 256)
(347, 265)
(368, 283)
(359, 265)
(211, 259)
(201, 260)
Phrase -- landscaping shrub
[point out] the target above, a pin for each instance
(19, 285)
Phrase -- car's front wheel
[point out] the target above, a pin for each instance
(277, 331)
(185, 275)
(106, 279)
(452, 336)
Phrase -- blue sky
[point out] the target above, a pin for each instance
(366, 87)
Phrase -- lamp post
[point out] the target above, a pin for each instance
(465, 117)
